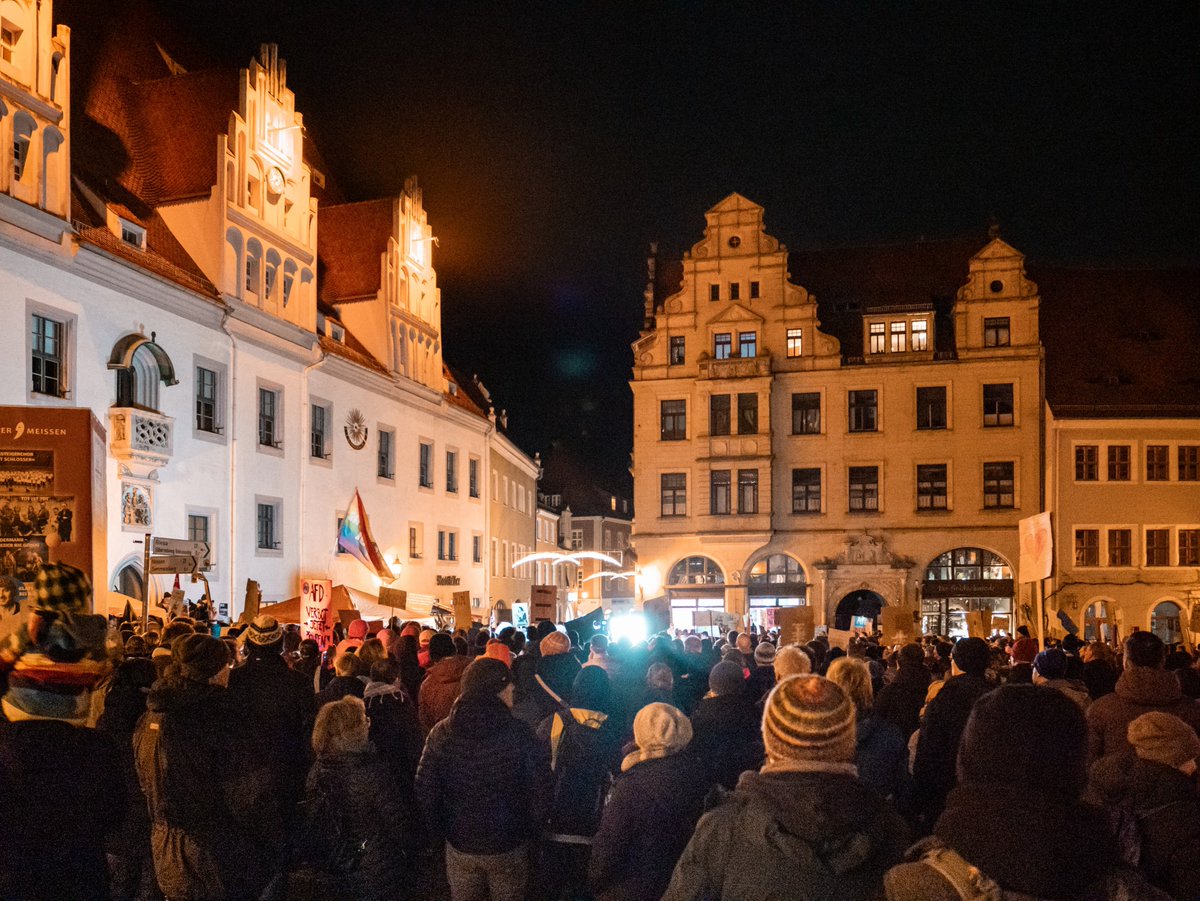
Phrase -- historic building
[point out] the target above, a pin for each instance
(179, 260)
(845, 429)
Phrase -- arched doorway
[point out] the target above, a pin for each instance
(696, 590)
(129, 582)
(1097, 622)
(858, 610)
(775, 581)
(966, 579)
(1164, 622)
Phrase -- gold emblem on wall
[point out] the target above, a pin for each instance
(356, 429)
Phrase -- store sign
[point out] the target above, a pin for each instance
(448, 580)
(967, 588)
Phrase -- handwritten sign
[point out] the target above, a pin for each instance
(316, 618)
(543, 600)
(795, 624)
(462, 610)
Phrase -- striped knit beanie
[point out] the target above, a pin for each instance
(809, 718)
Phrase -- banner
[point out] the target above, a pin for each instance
(462, 610)
(543, 602)
(316, 618)
(1037, 548)
(356, 540)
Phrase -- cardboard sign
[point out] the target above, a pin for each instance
(768, 618)
(543, 602)
(975, 624)
(840, 638)
(462, 610)
(795, 624)
(251, 605)
(393, 597)
(316, 618)
(896, 624)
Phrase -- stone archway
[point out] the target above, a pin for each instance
(861, 602)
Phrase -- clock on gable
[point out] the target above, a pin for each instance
(275, 182)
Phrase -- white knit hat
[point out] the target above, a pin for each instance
(659, 730)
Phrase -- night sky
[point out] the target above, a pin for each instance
(554, 142)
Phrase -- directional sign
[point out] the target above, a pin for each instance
(176, 563)
(181, 546)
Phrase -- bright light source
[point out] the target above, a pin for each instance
(649, 581)
(395, 567)
(630, 627)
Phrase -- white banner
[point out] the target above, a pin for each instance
(1037, 548)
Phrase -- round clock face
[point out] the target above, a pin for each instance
(275, 181)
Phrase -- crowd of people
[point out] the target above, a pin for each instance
(545, 765)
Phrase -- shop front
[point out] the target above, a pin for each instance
(696, 589)
(964, 580)
(775, 581)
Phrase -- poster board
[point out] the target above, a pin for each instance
(252, 603)
(316, 615)
(393, 597)
(1037, 547)
(543, 602)
(795, 625)
(520, 615)
(462, 610)
(840, 638)
(975, 624)
(897, 625)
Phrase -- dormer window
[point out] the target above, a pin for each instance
(9, 35)
(133, 235)
(140, 365)
(337, 333)
(20, 154)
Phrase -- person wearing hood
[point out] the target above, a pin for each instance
(1016, 824)
(651, 811)
(553, 673)
(395, 732)
(198, 783)
(1050, 669)
(1144, 686)
(345, 682)
(803, 826)
(725, 727)
(900, 701)
(440, 689)
(881, 754)
(479, 787)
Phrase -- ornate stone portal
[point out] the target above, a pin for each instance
(865, 563)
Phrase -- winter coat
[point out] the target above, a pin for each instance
(900, 701)
(649, 817)
(1139, 690)
(1100, 678)
(61, 792)
(440, 690)
(936, 761)
(810, 835)
(202, 792)
(881, 756)
(726, 738)
(1073, 689)
(1051, 847)
(1166, 804)
(341, 687)
(480, 777)
(584, 753)
(558, 672)
(395, 732)
(761, 681)
(358, 824)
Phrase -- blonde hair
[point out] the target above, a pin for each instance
(345, 665)
(341, 727)
(372, 650)
(791, 661)
(854, 678)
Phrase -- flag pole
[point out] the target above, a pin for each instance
(1040, 592)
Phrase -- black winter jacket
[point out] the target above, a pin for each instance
(900, 701)
(395, 732)
(936, 761)
(726, 738)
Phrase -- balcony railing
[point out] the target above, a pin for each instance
(140, 436)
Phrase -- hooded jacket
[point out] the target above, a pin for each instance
(1139, 690)
(440, 690)
(810, 835)
(395, 732)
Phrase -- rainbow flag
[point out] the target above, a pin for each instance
(355, 539)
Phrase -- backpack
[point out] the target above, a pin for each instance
(580, 785)
(972, 884)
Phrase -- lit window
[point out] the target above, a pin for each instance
(931, 487)
(878, 331)
(998, 485)
(722, 346)
(864, 488)
(677, 350)
(747, 345)
(806, 491)
(720, 490)
(920, 335)
(673, 420)
(48, 356)
(996, 332)
(795, 342)
(674, 501)
(997, 405)
(899, 337)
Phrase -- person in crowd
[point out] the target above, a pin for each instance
(1154, 802)
(498, 650)
(395, 732)
(745, 646)
(725, 726)
(359, 828)
(791, 660)
(547, 679)
(651, 811)
(411, 673)
(1143, 687)
(660, 686)
(1016, 822)
(62, 788)
(1050, 669)
(482, 787)
(762, 676)
(196, 775)
(942, 728)
(803, 826)
(900, 701)
(881, 754)
(1100, 671)
(423, 656)
(442, 681)
(1025, 648)
(598, 652)
(345, 681)
(308, 662)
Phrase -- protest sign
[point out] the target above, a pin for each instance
(316, 618)
(462, 610)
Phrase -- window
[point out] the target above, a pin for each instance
(1120, 547)
(473, 477)
(1189, 463)
(9, 35)
(795, 342)
(452, 472)
(920, 334)
(268, 418)
(722, 346)
(878, 337)
(931, 487)
(267, 533)
(998, 485)
(577, 538)
(997, 405)
(735, 291)
(426, 465)
(719, 492)
(197, 529)
(747, 491)
(714, 292)
(1118, 462)
(414, 543)
(206, 400)
(49, 338)
(864, 488)
(996, 332)
(1158, 547)
(931, 408)
(806, 414)
(133, 236)
(718, 414)
(319, 432)
(1189, 547)
(20, 154)
(863, 409)
(447, 544)
(747, 414)
(1156, 463)
(251, 273)
(678, 346)
(1087, 466)
(385, 460)
(1087, 547)
(674, 497)
(747, 345)
(476, 548)
(754, 291)
(673, 420)
(899, 337)
(806, 491)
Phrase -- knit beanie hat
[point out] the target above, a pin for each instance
(792, 661)
(1163, 738)
(485, 676)
(764, 654)
(972, 656)
(733, 655)
(263, 631)
(1051, 664)
(199, 657)
(554, 643)
(498, 650)
(424, 637)
(809, 718)
(441, 646)
(726, 678)
(659, 730)
(592, 690)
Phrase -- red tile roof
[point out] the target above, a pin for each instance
(150, 260)
(353, 351)
(351, 239)
(467, 397)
